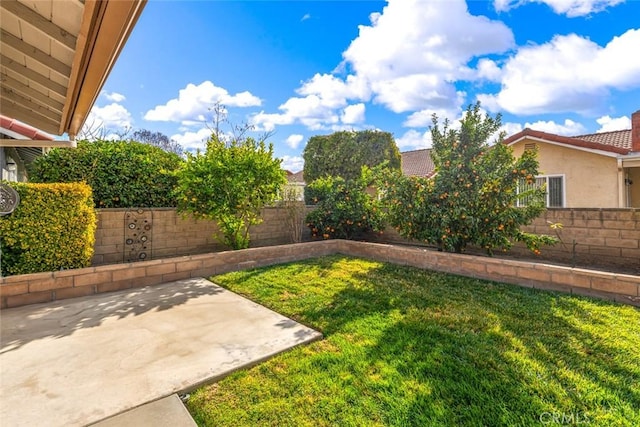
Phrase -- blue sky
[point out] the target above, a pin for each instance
(304, 68)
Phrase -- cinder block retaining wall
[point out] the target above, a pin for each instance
(44, 287)
(172, 235)
(618, 287)
(604, 238)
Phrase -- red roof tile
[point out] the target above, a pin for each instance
(616, 138)
(295, 177)
(417, 163)
(610, 143)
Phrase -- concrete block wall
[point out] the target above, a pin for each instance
(44, 287)
(175, 235)
(623, 288)
(603, 237)
(606, 238)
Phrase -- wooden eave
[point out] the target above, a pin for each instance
(36, 143)
(55, 56)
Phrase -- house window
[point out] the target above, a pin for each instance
(530, 146)
(554, 186)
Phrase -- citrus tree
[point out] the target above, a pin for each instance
(481, 195)
(230, 183)
(343, 208)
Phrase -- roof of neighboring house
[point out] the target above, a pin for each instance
(618, 142)
(417, 163)
(616, 138)
(295, 177)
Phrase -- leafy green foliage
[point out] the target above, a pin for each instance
(230, 183)
(344, 208)
(121, 174)
(157, 139)
(407, 347)
(473, 197)
(344, 153)
(51, 229)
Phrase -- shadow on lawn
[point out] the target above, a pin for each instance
(490, 354)
(58, 319)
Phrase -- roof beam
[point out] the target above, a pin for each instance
(104, 31)
(32, 75)
(33, 52)
(35, 143)
(39, 22)
(9, 83)
(14, 110)
(27, 103)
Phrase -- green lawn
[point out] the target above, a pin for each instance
(405, 346)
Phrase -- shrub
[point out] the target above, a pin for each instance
(230, 183)
(51, 229)
(344, 153)
(473, 197)
(344, 209)
(121, 174)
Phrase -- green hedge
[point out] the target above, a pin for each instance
(52, 228)
(122, 174)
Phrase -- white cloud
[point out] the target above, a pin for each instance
(608, 124)
(412, 140)
(333, 91)
(311, 111)
(353, 114)
(571, 8)
(423, 118)
(114, 96)
(294, 140)
(292, 163)
(568, 128)
(192, 141)
(318, 109)
(112, 116)
(488, 70)
(407, 59)
(413, 51)
(193, 103)
(509, 129)
(305, 17)
(568, 74)
(269, 121)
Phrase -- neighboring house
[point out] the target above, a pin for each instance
(600, 170)
(417, 163)
(295, 182)
(55, 56)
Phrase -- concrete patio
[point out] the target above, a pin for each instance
(83, 360)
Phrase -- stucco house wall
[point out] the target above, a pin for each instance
(634, 187)
(590, 180)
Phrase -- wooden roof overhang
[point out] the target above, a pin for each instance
(55, 56)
